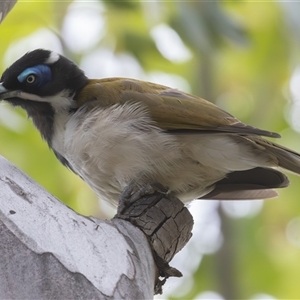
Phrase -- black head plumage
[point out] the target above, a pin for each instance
(53, 73)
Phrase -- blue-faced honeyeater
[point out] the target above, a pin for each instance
(117, 130)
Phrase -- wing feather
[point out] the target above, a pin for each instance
(172, 110)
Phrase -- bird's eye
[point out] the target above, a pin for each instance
(30, 78)
(36, 76)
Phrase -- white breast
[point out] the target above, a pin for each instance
(112, 146)
(109, 147)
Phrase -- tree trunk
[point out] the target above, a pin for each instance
(47, 251)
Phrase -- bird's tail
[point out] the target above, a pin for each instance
(258, 183)
(287, 159)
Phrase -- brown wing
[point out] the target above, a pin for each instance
(171, 109)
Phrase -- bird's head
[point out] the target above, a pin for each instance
(43, 83)
(42, 78)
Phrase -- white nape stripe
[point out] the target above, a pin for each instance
(59, 102)
(53, 57)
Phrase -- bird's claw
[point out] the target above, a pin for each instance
(134, 192)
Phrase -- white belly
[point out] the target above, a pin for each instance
(110, 147)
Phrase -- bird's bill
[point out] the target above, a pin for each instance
(6, 94)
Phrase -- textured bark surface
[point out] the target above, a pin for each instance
(5, 7)
(163, 218)
(47, 251)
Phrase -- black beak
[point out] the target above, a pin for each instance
(6, 94)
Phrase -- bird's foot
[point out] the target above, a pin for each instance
(134, 192)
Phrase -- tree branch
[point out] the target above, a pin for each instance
(48, 251)
(5, 7)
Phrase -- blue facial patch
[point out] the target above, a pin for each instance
(42, 73)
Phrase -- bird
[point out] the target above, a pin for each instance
(114, 131)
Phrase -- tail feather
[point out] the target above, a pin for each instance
(257, 183)
(241, 194)
(287, 159)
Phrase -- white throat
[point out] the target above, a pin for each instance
(60, 102)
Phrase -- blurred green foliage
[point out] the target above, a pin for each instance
(243, 55)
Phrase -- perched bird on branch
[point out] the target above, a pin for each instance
(117, 130)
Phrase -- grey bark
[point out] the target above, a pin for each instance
(5, 7)
(47, 251)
